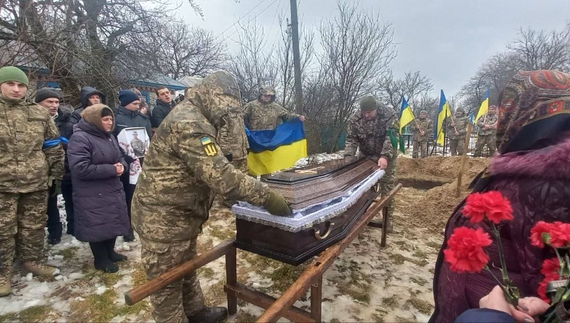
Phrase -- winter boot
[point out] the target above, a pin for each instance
(113, 256)
(53, 240)
(129, 237)
(39, 269)
(209, 315)
(5, 287)
(102, 261)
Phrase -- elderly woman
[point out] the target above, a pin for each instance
(96, 165)
(532, 171)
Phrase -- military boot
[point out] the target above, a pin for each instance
(39, 269)
(209, 315)
(5, 287)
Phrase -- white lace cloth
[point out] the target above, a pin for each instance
(307, 217)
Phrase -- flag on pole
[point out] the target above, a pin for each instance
(406, 114)
(444, 112)
(484, 106)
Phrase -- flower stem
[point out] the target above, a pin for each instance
(560, 262)
(501, 253)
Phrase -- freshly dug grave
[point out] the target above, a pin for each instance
(434, 209)
(436, 169)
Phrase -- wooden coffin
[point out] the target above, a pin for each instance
(305, 188)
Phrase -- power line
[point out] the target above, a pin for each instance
(240, 19)
(259, 14)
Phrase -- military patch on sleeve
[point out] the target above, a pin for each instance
(209, 146)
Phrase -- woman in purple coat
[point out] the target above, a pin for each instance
(533, 172)
(96, 165)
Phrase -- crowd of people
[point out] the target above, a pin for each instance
(156, 172)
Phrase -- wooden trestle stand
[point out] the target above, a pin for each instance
(311, 278)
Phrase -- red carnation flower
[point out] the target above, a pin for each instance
(559, 234)
(537, 233)
(498, 207)
(491, 205)
(465, 250)
(475, 207)
(542, 287)
(550, 267)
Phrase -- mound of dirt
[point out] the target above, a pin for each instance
(443, 169)
(434, 209)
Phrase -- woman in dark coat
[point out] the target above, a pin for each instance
(533, 172)
(96, 166)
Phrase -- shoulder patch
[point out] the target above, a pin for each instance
(209, 146)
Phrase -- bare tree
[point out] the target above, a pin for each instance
(539, 50)
(177, 50)
(357, 49)
(411, 86)
(253, 65)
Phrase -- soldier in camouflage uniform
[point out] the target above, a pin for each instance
(456, 132)
(423, 127)
(373, 131)
(183, 168)
(27, 171)
(265, 114)
(487, 132)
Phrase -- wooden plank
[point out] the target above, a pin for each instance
(136, 295)
(231, 279)
(264, 301)
(384, 227)
(321, 264)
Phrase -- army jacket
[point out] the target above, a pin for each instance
(26, 166)
(231, 136)
(461, 126)
(183, 167)
(371, 137)
(266, 116)
(490, 120)
(426, 125)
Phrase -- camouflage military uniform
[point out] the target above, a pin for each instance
(233, 140)
(138, 147)
(24, 175)
(183, 167)
(373, 139)
(420, 141)
(266, 116)
(457, 140)
(487, 137)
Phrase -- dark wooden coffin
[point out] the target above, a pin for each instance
(303, 188)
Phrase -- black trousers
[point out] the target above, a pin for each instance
(53, 222)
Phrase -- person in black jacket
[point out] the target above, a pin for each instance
(131, 127)
(164, 105)
(89, 96)
(50, 100)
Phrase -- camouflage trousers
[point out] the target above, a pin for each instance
(22, 221)
(457, 146)
(482, 141)
(387, 184)
(420, 148)
(175, 302)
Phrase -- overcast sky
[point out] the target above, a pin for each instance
(447, 40)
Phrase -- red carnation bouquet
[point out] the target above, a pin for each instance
(465, 253)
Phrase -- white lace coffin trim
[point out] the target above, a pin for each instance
(307, 217)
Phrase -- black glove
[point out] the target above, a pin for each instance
(276, 205)
(55, 187)
(230, 157)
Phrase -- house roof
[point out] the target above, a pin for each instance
(159, 80)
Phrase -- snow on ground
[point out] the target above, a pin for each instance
(366, 283)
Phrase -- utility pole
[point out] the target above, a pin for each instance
(296, 58)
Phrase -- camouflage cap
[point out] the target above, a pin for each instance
(368, 103)
(423, 111)
(267, 90)
(460, 110)
(215, 96)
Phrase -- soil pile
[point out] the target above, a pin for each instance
(434, 209)
(441, 169)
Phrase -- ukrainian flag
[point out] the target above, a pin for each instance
(275, 150)
(484, 106)
(406, 115)
(444, 112)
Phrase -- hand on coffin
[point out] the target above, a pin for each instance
(277, 205)
(349, 159)
(382, 163)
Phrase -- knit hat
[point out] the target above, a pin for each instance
(106, 111)
(46, 93)
(368, 103)
(126, 97)
(12, 73)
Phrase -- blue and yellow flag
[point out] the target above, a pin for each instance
(274, 150)
(484, 106)
(444, 112)
(406, 114)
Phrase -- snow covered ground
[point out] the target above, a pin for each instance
(366, 283)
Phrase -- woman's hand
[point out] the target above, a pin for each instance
(120, 169)
(527, 309)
